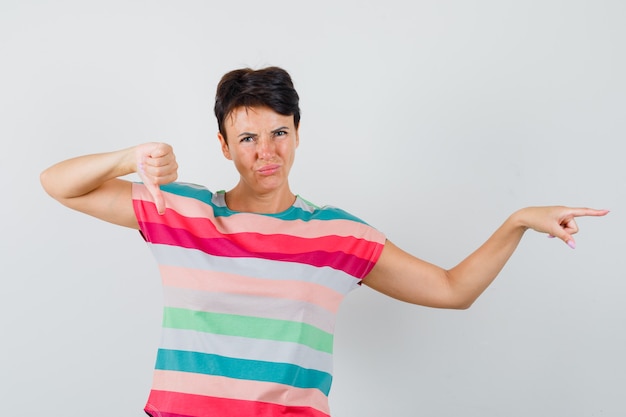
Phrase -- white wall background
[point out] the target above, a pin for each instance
(433, 120)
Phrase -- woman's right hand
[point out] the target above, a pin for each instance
(156, 165)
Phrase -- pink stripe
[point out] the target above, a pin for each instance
(257, 242)
(237, 389)
(172, 404)
(237, 284)
(334, 257)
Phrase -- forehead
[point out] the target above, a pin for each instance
(256, 118)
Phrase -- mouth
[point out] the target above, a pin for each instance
(268, 169)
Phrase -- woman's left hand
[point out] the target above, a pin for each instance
(556, 221)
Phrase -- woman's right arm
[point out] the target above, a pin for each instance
(91, 183)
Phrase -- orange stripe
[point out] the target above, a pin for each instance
(214, 281)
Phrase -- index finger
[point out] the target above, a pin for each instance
(584, 211)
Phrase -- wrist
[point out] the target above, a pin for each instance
(518, 219)
(127, 161)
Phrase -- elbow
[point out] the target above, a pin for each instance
(463, 305)
(451, 303)
(50, 186)
(465, 301)
(460, 299)
(44, 180)
(457, 297)
(457, 303)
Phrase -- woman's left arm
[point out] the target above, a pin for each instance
(407, 278)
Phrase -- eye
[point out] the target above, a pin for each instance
(247, 139)
(280, 133)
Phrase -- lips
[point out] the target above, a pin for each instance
(268, 169)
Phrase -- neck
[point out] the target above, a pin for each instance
(276, 201)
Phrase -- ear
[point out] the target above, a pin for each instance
(298, 136)
(224, 146)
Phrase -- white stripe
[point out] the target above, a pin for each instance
(250, 305)
(255, 268)
(246, 348)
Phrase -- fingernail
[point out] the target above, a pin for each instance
(551, 237)
(571, 244)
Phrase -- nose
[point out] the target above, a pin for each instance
(266, 148)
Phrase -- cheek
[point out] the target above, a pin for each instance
(288, 149)
(242, 158)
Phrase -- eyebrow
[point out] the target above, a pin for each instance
(244, 134)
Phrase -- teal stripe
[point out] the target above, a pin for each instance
(247, 326)
(294, 213)
(281, 373)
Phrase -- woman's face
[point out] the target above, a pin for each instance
(262, 144)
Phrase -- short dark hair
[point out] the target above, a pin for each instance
(268, 87)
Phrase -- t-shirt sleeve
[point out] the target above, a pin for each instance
(374, 242)
(364, 242)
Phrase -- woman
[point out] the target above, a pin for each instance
(253, 277)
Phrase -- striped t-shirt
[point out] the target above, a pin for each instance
(250, 302)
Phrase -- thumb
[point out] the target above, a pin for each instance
(153, 189)
(159, 201)
(568, 239)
